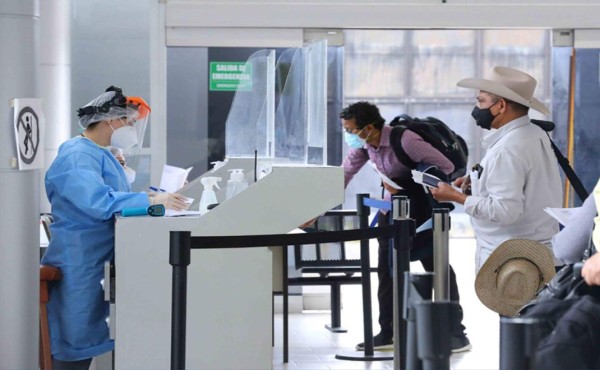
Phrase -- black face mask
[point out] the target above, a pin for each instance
(483, 117)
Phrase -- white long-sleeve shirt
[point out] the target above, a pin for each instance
(519, 179)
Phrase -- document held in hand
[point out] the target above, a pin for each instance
(173, 178)
(562, 215)
(384, 178)
(429, 180)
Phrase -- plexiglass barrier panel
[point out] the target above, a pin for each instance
(316, 97)
(300, 118)
(290, 131)
(249, 125)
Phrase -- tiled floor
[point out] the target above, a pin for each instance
(314, 347)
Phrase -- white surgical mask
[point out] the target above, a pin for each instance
(124, 137)
(130, 173)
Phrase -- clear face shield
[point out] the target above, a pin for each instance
(138, 112)
(131, 111)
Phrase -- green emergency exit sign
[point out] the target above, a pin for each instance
(230, 76)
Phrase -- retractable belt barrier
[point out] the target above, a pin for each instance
(428, 313)
(401, 268)
(519, 338)
(402, 245)
(181, 243)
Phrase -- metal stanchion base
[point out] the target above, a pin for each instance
(337, 329)
(360, 356)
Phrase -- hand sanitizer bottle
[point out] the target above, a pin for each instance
(236, 183)
(208, 195)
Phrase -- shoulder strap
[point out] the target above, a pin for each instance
(548, 126)
(571, 175)
(396, 143)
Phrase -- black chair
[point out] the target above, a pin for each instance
(329, 264)
(325, 264)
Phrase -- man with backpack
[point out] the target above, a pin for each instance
(518, 176)
(370, 139)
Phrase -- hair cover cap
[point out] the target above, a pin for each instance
(114, 111)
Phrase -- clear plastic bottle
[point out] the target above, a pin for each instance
(236, 183)
(217, 165)
(208, 195)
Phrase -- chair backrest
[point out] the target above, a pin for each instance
(47, 274)
(45, 221)
(330, 254)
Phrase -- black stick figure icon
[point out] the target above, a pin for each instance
(28, 134)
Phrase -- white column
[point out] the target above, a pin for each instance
(54, 83)
(19, 223)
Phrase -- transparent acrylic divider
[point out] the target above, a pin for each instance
(316, 98)
(250, 122)
(300, 117)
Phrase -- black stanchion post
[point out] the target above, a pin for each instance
(417, 287)
(179, 258)
(365, 271)
(404, 233)
(433, 333)
(433, 318)
(441, 266)
(519, 338)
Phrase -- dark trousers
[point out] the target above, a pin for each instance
(423, 247)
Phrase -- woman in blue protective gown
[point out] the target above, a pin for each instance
(86, 185)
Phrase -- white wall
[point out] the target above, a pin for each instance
(386, 14)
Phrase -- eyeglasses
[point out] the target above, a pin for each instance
(351, 130)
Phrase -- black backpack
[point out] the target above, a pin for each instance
(436, 133)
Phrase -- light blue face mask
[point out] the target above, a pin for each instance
(353, 140)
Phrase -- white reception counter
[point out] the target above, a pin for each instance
(229, 308)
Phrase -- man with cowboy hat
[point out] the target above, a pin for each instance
(518, 177)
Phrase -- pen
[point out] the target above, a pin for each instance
(477, 168)
(157, 189)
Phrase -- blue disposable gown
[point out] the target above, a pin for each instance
(86, 186)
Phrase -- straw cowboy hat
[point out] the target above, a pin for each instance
(512, 274)
(508, 83)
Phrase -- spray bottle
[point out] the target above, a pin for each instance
(208, 195)
(217, 165)
(236, 183)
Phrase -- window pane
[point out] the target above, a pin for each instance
(441, 58)
(530, 41)
(520, 49)
(374, 42)
(374, 63)
(377, 75)
(391, 110)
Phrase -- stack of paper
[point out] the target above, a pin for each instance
(173, 178)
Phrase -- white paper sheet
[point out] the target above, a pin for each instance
(562, 215)
(384, 178)
(173, 178)
(173, 213)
